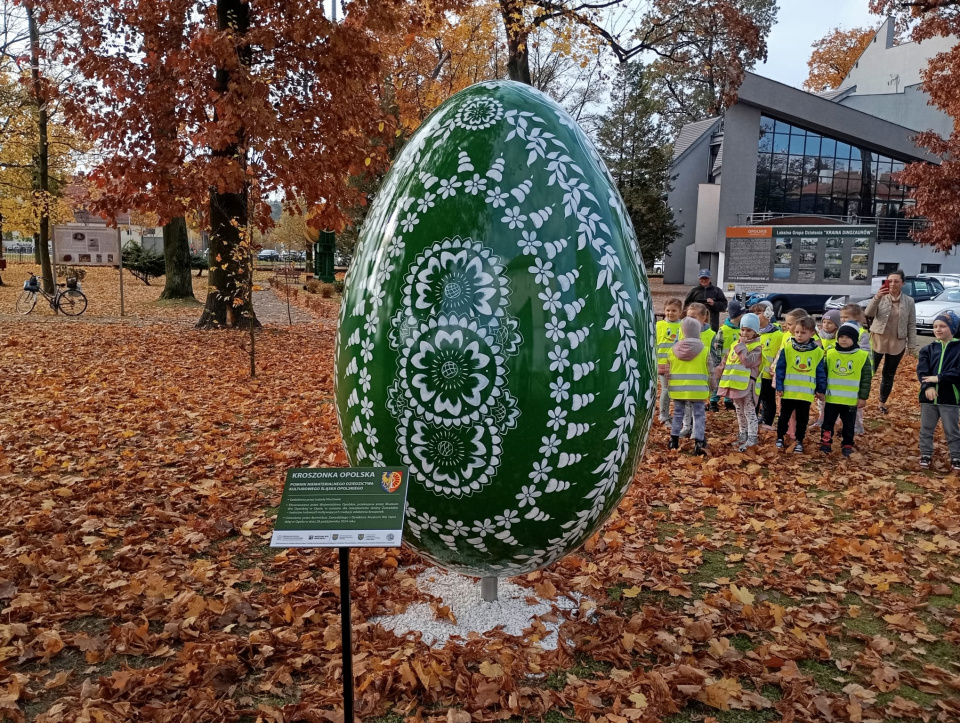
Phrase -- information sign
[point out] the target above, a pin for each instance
(342, 507)
(86, 245)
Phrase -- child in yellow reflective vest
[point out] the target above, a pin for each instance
(727, 336)
(854, 313)
(701, 313)
(668, 331)
(801, 377)
(738, 376)
(688, 383)
(827, 338)
(771, 336)
(848, 386)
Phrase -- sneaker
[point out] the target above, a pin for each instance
(674, 442)
(780, 444)
(700, 447)
(883, 408)
(847, 450)
(925, 462)
(741, 439)
(729, 405)
(748, 444)
(799, 448)
(714, 407)
(686, 432)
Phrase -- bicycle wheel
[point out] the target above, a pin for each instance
(26, 301)
(72, 302)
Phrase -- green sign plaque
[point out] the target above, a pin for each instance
(342, 507)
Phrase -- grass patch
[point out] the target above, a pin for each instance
(823, 673)
(585, 668)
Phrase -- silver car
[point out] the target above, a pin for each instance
(928, 310)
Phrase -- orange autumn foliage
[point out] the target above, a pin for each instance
(834, 55)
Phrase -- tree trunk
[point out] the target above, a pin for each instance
(229, 286)
(42, 183)
(518, 58)
(176, 261)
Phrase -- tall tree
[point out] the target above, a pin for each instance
(268, 98)
(937, 187)
(635, 145)
(834, 55)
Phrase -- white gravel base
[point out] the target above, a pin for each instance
(462, 595)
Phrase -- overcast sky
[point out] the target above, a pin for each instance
(799, 24)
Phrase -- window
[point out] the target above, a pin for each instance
(885, 268)
(929, 268)
(920, 287)
(799, 171)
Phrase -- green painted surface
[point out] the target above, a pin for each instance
(496, 335)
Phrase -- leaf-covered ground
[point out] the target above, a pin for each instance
(140, 470)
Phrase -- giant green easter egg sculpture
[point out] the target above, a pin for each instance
(496, 335)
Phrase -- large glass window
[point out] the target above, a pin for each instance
(799, 171)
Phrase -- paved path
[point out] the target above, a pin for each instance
(272, 309)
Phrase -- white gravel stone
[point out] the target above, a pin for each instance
(462, 595)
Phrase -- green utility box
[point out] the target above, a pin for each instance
(324, 251)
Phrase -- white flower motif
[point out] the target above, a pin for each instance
(508, 518)
(448, 187)
(541, 471)
(457, 528)
(555, 329)
(410, 222)
(529, 243)
(366, 408)
(560, 390)
(550, 445)
(366, 350)
(513, 218)
(558, 417)
(528, 495)
(396, 246)
(365, 382)
(371, 434)
(551, 300)
(376, 459)
(483, 528)
(475, 185)
(426, 202)
(370, 326)
(559, 359)
(377, 299)
(479, 113)
(496, 197)
(429, 521)
(542, 270)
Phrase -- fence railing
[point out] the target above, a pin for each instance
(889, 228)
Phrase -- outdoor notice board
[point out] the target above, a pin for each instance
(86, 245)
(770, 258)
(342, 507)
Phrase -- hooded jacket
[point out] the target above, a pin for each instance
(821, 383)
(942, 360)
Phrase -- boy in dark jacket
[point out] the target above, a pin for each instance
(848, 387)
(938, 369)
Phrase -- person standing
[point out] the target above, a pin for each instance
(708, 295)
(893, 331)
(938, 369)
(848, 387)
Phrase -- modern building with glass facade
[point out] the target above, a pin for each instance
(782, 155)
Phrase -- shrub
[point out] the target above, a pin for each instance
(313, 286)
(143, 263)
(326, 291)
(338, 286)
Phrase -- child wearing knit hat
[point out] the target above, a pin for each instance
(848, 387)
(938, 369)
(738, 378)
(687, 381)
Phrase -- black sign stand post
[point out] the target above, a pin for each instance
(346, 633)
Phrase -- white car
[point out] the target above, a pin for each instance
(927, 310)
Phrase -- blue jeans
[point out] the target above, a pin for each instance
(699, 417)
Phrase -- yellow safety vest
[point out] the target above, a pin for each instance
(771, 345)
(800, 381)
(827, 344)
(706, 336)
(735, 374)
(688, 379)
(667, 333)
(731, 336)
(843, 375)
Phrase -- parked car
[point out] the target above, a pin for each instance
(949, 281)
(921, 289)
(928, 310)
(268, 255)
(782, 303)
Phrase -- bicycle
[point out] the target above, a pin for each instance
(67, 298)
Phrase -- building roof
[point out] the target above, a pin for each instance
(690, 134)
(837, 94)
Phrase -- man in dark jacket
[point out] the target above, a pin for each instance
(708, 295)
